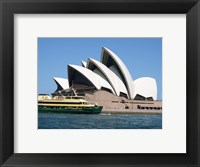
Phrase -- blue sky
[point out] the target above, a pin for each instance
(142, 56)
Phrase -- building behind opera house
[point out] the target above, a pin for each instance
(109, 83)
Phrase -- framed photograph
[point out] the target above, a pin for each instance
(99, 83)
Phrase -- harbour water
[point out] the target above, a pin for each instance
(99, 121)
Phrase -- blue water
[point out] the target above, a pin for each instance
(99, 121)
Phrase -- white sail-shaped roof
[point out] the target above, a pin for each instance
(97, 81)
(146, 87)
(62, 83)
(110, 76)
(111, 60)
(84, 64)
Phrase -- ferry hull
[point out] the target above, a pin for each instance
(85, 110)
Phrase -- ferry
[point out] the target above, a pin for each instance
(66, 104)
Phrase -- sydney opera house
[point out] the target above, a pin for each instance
(108, 82)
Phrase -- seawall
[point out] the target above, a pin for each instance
(130, 111)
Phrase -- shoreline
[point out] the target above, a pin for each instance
(129, 111)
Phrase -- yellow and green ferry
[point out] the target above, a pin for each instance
(66, 104)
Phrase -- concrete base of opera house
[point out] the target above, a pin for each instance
(118, 105)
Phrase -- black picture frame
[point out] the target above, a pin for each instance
(10, 7)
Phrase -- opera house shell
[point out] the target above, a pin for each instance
(110, 76)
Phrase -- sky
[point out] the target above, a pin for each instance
(142, 57)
